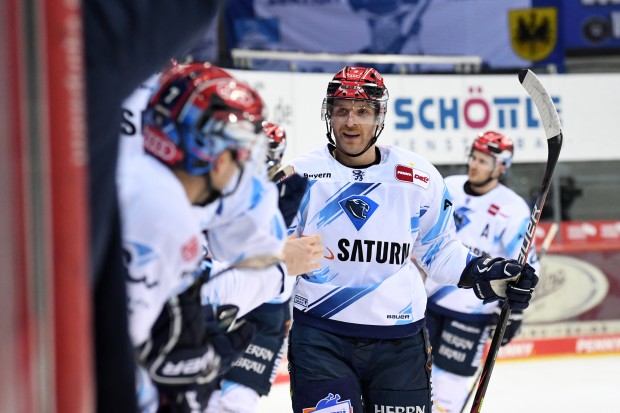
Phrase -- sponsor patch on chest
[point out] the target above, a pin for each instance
(411, 175)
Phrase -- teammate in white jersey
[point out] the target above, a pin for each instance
(252, 374)
(358, 339)
(198, 131)
(490, 219)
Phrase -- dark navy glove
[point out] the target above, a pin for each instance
(229, 338)
(291, 190)
(178, 352)
(513, 327)
(494, 278)
(519, 293)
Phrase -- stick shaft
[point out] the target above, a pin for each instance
(551, 123)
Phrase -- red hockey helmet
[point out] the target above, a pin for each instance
(197, 112)
(495, 144)
(357, 83)
(276, 143)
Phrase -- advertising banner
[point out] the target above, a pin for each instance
(439, 116)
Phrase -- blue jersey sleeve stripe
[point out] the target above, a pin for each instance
(415, 224)
(516, 241)
(445, 214)
(257, 192)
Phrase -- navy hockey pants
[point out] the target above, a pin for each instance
(337, 373)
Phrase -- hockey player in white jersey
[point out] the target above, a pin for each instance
(244, 223)
(198, 131)
(252, 374)
(358, 341)
(490, 219)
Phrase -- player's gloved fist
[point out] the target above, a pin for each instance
(489, 277)
(513, 327)
(291, 190)
(519, 293)
(178, 353)
(229, 338)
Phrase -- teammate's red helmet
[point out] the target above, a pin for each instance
(357, 83)
(276, 143)
(495, 144)
(197, 112)
(204, 68)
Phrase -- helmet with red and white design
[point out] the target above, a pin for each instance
(197, 112)
(276, 143)
(357, 83)
(495, 144)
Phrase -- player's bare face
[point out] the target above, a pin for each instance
(353, 123)
(481, 168)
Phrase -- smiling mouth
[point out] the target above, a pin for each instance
(351, 135)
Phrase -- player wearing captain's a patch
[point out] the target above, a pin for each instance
(358, 329)
(490, 219)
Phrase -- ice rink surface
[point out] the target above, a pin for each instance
(550, 385)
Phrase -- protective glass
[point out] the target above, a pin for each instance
(352, 111)
(235, 133)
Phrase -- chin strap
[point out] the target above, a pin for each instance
(352, 155)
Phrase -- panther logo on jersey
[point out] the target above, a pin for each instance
(460, 217)
(359, 209)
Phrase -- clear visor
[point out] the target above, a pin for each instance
(351, 111)
(239, 135)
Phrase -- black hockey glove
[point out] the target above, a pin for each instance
(292, 190)
(229, 338)
(513, 327)
(178, 353)
(519, 293)
(493, 279)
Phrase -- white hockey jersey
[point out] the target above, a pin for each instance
(161, 239)
(493, 223)
(246, 224)
(132, 141)
(371, 221)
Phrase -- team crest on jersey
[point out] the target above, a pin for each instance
(331, 404)
(359, 209)
(460, 217)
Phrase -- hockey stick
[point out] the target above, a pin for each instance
(553, 132)
(553, 229)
